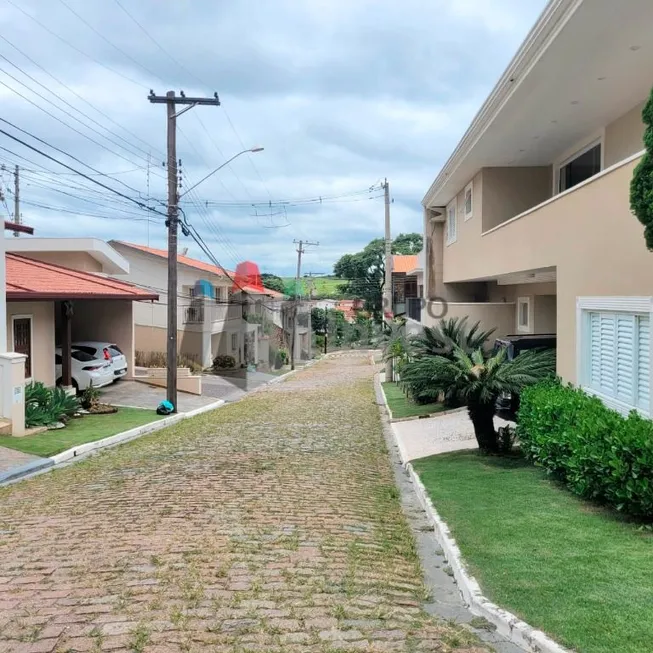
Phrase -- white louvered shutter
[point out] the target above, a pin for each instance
(607, 342)
(625, 358)
(595, 351)
(643, 363)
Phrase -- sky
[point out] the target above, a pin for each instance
(340, 94)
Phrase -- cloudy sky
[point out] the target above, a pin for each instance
(340, 93)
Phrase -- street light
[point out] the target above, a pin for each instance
(227, 162)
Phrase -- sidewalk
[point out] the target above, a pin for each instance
(9, 459)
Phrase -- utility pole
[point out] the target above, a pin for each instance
(172, 223)
(387, 287)
(16, 198)
(300, 251)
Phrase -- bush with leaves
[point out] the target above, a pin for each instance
(224, 362)
(641, 186)
(477, 380)
(598, 453)
(90, 397)
(45, 406)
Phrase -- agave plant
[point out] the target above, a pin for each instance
(477, 381)
(451, 332)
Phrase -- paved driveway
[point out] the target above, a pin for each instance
(273, 524)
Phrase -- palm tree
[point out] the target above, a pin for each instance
(477, 381)
(440, 340)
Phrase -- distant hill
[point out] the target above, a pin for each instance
(323, 286)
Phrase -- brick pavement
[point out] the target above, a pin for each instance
(270, 525)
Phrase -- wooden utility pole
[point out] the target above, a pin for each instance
(16, 199)
(171, 100)
(387, 287)
(300, 251)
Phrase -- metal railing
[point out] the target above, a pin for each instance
(194, 315)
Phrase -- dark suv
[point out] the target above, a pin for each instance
(508, 404)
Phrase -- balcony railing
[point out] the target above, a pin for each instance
(414, 308)
(194, 315)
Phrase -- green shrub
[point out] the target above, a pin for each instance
(284, 355)
(598, 453)
(44, 406)
(90, 397)
(224, 362)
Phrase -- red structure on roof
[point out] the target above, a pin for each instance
(248, 277)
(28, 279)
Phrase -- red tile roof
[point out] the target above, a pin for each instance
(30, 279)
(206, 267)
(185, 260)
(404, 262)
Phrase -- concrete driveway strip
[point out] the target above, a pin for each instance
(273, 524)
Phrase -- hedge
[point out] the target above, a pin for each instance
(598, 453)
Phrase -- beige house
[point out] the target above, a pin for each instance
(528, 227)
(46, 275)
(210, 317)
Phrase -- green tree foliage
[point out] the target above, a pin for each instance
(363, 273)
(641, 187)
(407, 244)
(450, 332)
(273, 282)
(477, 380)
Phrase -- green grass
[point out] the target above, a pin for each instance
(324, 286)
(401, 406)
(79, 431)
(581, 574)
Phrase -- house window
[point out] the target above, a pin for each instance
(524, 314)
(452, 227)
(618, 357)
(22, 336)
(581, 167)
(469, 201)
(234, 342)
(614, 350)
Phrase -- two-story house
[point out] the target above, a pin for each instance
(211, 314)
(528, 226)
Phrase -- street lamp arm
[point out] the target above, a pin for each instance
(227, 162)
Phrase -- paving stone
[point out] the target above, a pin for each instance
(262, 526)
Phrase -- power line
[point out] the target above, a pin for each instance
(81, 174)
(70, 45)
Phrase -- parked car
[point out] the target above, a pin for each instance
(107, 350)
(86, 369)
(508, 404)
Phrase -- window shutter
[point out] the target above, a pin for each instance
(625, 358)
(607, 353)
(644, 363)
(595, 351)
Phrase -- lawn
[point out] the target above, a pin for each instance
(401, 406)
(79, 431)
(323, 286)
(581, 574)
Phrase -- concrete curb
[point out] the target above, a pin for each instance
(24, 470)
(508, 625)
(83, 450)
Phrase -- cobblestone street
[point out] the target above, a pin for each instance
(269, 525)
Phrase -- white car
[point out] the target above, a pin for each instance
(86, 369)
(107, 350)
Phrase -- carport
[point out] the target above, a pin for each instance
(51, 305)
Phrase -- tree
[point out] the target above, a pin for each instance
(319, 320)
(363, 273)
(441, 339)
(477, 381)
(407, 244)
(273, 282)
(641, 186)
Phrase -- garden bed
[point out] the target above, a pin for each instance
(582, 574)
(80, 430)
(403, 407)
